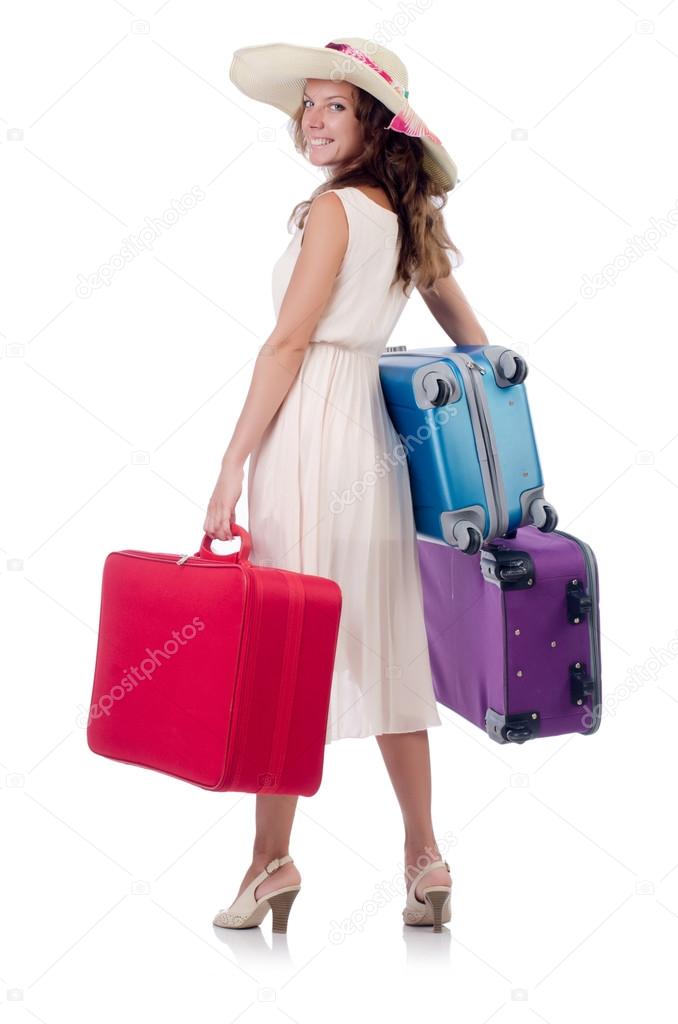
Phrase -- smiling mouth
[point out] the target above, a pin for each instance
(317, 143)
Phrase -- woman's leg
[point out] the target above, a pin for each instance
(408, 762)
(274, 818)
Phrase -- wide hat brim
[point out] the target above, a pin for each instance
(276, 73)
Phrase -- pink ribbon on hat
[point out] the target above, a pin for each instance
(406, 121)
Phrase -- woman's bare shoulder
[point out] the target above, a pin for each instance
(328, 216)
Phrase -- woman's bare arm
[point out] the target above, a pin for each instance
(451, 309)
(325, 240)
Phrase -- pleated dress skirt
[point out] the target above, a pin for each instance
(328, 494)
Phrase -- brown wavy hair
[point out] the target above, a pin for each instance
(393, 161)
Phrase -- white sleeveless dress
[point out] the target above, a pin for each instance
(328, 487)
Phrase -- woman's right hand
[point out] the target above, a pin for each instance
(221, 508)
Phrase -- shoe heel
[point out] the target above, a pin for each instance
(437, 901)
(281, 906)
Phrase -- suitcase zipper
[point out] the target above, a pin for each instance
(475, 415)
(592, 573)
(483, 416)
(151, 556)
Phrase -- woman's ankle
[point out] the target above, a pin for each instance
(418, 857)
(261, 858)
(426, 850)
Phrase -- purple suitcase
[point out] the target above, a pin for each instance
(514, 633)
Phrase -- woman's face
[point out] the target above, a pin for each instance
(329, 113)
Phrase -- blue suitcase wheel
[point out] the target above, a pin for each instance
(437, 389)
(551, 519)
(512, 367)
(469, 538)
(543, 516)
(475, 541)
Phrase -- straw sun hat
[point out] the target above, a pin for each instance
(276, 73)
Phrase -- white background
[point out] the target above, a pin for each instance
(564, 852)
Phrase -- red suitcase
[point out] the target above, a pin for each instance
(215, 670)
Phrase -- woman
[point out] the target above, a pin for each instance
(327, 492)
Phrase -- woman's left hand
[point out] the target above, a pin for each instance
(221, 508)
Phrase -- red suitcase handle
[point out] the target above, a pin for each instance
(242, 555)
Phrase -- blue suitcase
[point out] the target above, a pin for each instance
(463, 417)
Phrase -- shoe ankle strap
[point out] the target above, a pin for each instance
(276, 863)
(429, 867)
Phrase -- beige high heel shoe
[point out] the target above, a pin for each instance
(435, 907)
(247, 912)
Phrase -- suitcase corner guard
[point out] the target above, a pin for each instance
(511, 728)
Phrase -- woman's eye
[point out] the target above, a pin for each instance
(331, 104)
